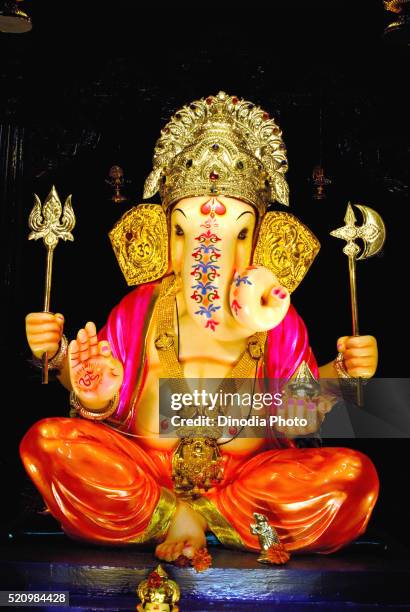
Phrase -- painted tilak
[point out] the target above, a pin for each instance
(205, 267)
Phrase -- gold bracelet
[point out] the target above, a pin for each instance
(90, 414)
(56, 363)
(340, 367)
(344, 374)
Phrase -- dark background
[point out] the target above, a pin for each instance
(91, 86)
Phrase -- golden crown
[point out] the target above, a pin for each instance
(220, 145)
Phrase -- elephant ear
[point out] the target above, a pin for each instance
(286, 247)
(140, 243)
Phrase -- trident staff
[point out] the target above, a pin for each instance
(45, 223)
(373, 234)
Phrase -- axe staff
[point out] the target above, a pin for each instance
(373, 234)
(45, 223)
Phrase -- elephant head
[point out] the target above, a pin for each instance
(237, 269)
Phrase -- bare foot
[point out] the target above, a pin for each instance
(185, 536)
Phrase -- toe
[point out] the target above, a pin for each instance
(167, 552)
(177, 550)
(159, 551)
(162, 550)
(188, 550)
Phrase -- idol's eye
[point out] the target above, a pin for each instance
(243, 233)
(178, 230)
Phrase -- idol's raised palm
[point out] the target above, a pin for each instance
(95, 374)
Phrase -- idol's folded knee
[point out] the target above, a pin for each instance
(42, 431)
(364, 485)
(357, 483)
(360, 472)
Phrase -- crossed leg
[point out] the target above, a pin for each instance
(101, 486)
(318, 499)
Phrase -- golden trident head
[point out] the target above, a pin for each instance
(45, 221)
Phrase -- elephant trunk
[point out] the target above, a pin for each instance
(227, 303)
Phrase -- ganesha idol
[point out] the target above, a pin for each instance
(213, 272)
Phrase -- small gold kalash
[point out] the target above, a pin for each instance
(158, 592)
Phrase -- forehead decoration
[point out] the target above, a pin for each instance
(213, 207)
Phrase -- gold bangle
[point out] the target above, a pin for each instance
(340, 367)
(56, 363)
(343, 374)
(90, 414)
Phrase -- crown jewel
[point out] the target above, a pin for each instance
(220, 145)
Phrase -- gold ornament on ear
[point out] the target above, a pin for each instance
(286, 247)
(140, 243)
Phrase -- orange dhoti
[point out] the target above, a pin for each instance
(105, 488)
